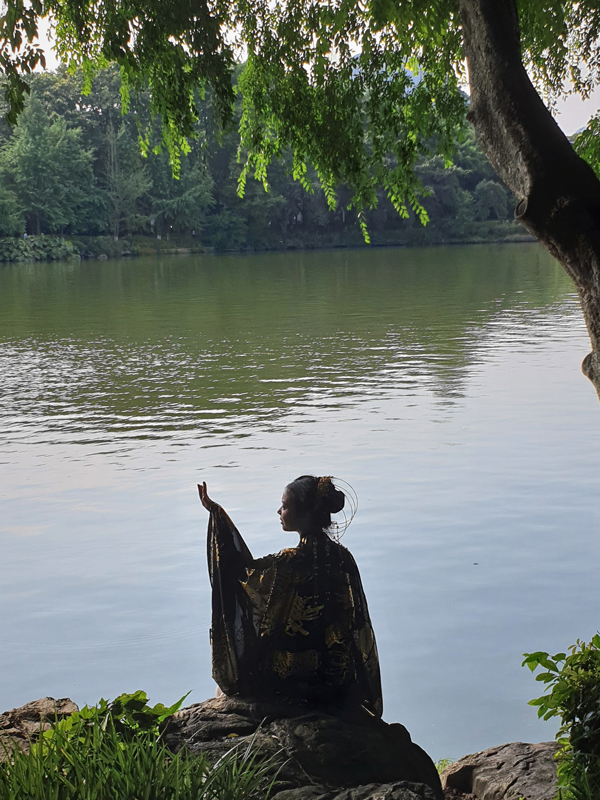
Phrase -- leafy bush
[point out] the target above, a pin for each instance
(114, 750)
(129, 714)
(37, 248)
(574, 696)
(95, 246)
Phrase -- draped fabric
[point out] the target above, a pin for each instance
(293, 626)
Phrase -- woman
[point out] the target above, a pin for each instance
(293, 626)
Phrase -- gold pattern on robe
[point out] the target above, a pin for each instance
(340, 658)
(258, 587)
(299, 613)
(332, 636)
(286, 664)
(365, 643)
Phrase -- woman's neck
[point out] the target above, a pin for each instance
(306, 536)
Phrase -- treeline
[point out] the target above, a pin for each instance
(73, 166)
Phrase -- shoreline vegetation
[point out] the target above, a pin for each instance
(58, 248)
(75, 182)
(227, 748)
(117, 750)
(52, 749)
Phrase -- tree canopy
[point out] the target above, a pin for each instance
(358, 90)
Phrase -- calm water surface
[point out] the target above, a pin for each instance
(444, 384)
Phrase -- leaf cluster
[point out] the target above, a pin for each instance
(573, 682)
(20, 53)
(587, 144)
(359, 94)
(560, 42)
(173, 48)
(37, 248)
(128, 714)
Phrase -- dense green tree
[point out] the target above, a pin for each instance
(447, 200)
(124, 178)
(180, 205)
(49, 172)
(11, 218)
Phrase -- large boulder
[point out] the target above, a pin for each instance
(516, 771)
(21, 725)
(401, 790)
(324, 756)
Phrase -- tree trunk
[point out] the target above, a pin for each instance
(558, 194)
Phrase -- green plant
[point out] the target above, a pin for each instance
(241, 774)
(114, 751)
(130, 714)
(573, 681)
(443, 763)
(36, 248)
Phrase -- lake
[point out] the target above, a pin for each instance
(444, 384)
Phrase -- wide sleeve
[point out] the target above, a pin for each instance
(366, 658)
(233, 635)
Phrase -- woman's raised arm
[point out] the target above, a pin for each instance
(204, 498)
(233, 635)
(225, 542)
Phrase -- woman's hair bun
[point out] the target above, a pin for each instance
(333, 499)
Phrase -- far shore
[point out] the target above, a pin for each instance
(58, 247)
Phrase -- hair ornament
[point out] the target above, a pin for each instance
(337, 529)
(323, 485)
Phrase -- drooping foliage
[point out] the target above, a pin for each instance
(560, 44)
(333, 82)
(359, 91)
(72, 165)
(348, 95)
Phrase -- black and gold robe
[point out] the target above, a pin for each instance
(293, 626)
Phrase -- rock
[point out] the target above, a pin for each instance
(454, 794)
(320, 752)
(509, 772)
(401, 790)
(20, 725)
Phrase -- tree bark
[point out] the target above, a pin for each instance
(557, 193)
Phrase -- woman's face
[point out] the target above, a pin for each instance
(290, 521)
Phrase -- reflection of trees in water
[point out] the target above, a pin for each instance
(222, 345)
(521, 325)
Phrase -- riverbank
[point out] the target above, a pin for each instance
(321, 758)
(58, 248)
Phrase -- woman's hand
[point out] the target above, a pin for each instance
(204, 498)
